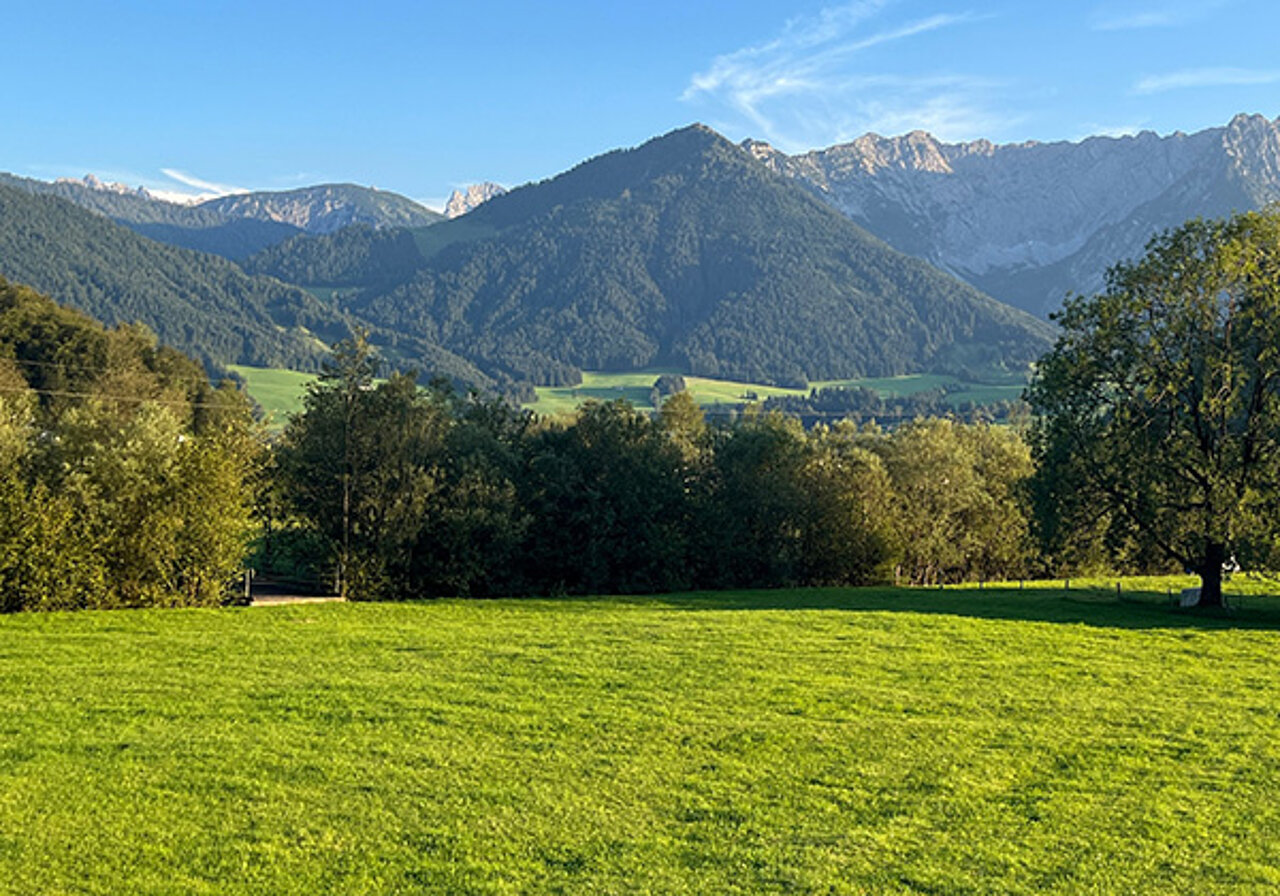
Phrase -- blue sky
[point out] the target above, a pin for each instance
(422, 97)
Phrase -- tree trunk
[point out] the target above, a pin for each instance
(1211, 575)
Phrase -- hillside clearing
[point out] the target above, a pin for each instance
(833, 741)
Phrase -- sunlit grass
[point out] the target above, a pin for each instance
(278, 392)
(636, 387)
(816, 741)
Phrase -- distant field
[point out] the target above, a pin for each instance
(280, 391)
(636, 388)
(822, 741)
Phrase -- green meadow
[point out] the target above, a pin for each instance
(637, 386)
(880, 740)
(280, 392)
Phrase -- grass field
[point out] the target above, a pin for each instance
(280, 391)
(822, 741)
(637, 386)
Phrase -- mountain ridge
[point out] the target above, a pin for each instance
(682, 250)
(237, 225)
(198, 303)
(1029, 222)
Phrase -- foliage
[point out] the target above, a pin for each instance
(125, 473)
(605, 495)
(1159, 406)
(957, 506)
(409, 488)
(422, 493)
(666, 385)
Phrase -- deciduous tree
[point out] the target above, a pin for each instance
(1160, 402)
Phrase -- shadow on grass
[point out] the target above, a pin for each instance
(1097, 607)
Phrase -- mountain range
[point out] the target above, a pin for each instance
(1029, 222)
(683, 252)
(470, 198)
(200, 303)
(875, 257)
(237, 225)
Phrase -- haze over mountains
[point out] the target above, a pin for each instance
(1027, 223)
(687, 252)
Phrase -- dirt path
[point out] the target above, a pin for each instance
(267, 592)
(276, 600)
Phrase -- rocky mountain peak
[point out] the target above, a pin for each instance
(464, 200)
(1029, 222)
(93, 182)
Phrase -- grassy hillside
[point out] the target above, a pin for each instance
(637, 387)
(811, 742)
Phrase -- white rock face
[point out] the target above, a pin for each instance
(1030, 222)
(463, 201)
(96, 184)
(93, 182)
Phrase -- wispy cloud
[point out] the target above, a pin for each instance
(1206, 77)
(807, 87)
(1165, 15)
(1153, 19)
(204, 186)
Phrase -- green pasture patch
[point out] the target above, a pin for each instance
(279, 392)
(637, 386)
(809, 741)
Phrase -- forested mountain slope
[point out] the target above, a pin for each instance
(239, 225)
(683, 252)
(201, 304)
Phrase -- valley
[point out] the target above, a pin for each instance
(279, 392)
(584, 449)
(687, 253)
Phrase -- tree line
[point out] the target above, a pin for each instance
(126, 479)
(405, 492)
